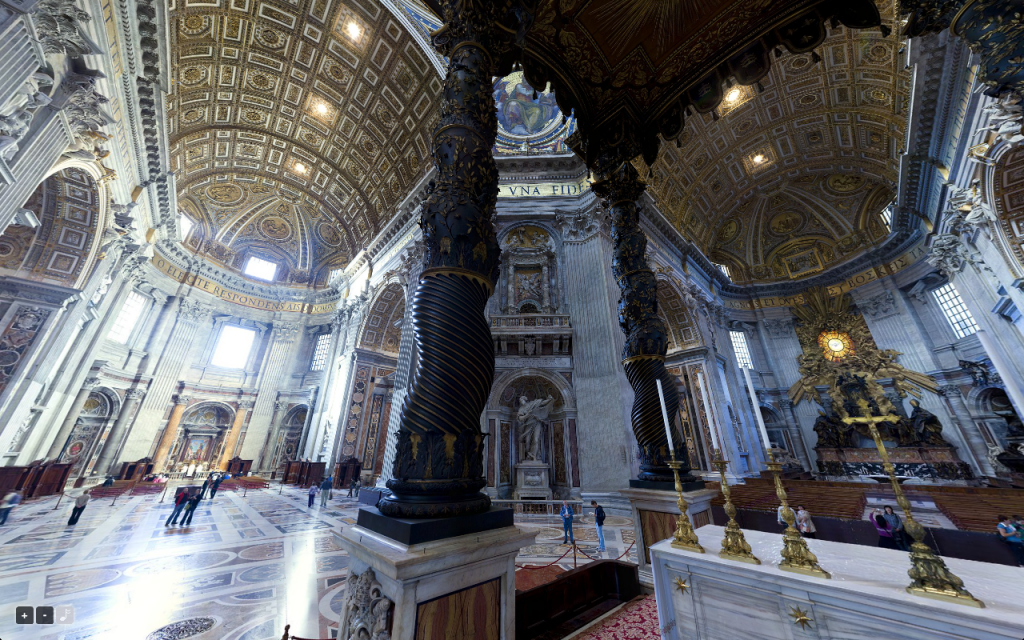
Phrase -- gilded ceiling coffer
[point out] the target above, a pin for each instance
(438, 468)
(619, 186)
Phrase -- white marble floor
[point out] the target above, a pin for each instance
(246, 567)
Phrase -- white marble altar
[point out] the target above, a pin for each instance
(413, 575)
(865, 599)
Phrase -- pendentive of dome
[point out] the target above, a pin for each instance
(529, 121)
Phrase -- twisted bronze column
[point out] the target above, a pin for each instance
(438, 469)
(643, 357)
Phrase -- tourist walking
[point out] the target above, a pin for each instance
(325, 491)
(76, 511)
(313, 490)
(215, 486)
(206, 486)
(351, 486)
(180, 501)
(567, 515)
(899, 534)
(599, 521)
(804, 523)
(190, 510)
(885, 539)
(11, 500)
(1012, 536)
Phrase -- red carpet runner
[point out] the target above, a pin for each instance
(638, 620)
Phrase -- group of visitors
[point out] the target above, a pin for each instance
(186, 500)
(326, 490)
(567, 514)
(1010, 530)
(803, 522)
(891, 534)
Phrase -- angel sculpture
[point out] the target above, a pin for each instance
(531, 415)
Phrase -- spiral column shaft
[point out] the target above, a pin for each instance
(643, 356)
(438, 469)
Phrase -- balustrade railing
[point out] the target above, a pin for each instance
(539, 507)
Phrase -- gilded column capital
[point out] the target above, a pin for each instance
(134, 394)
(91, 383)
(182, 399)
(246, 403)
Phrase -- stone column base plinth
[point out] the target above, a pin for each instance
(455, 587)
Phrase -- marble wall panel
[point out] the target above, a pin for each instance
(474, 612)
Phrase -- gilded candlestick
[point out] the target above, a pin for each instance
(684, 537)
(734, 544)
(796, 556)
(930, 576)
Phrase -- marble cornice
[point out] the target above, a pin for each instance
(36, 292)
(539, 167)
(185, 260)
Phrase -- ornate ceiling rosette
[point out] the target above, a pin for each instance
(296, 128)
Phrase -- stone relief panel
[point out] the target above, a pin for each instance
(16, 340)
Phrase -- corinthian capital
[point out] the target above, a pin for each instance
(579, 225)
(286, 331)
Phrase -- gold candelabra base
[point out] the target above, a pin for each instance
(684, 537)
(734, 544)
(796, 556)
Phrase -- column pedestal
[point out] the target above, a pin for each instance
(654, 516)
(460, 587)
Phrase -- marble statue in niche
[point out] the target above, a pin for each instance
(531, 415)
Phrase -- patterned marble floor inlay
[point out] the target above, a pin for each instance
(244, 568)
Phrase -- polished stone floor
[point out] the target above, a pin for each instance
(247, 566)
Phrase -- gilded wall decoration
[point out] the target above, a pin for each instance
(837, 345)
(330, 104)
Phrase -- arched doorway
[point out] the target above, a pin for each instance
(200, 438)
(86, 437)
(287, 446)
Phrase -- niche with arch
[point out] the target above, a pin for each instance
(200, 437)
(86, 438)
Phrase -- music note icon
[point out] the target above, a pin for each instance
(65, 614)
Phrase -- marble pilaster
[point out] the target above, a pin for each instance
(603, 395)
(177, 353)
(275, 368)
(107, 459)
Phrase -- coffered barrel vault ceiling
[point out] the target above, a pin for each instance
(296, 127)
(788, 182)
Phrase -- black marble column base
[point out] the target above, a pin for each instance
(692, 485)
(411, 531)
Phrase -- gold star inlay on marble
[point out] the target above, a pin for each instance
(800, 617)
(681, 584)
